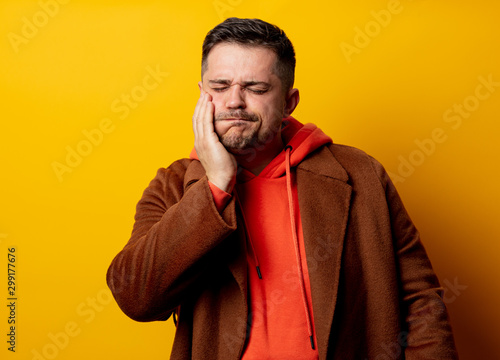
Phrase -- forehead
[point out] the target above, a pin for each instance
(237, 62)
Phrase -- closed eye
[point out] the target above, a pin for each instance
(255, 91)
(258, 91)
(220, 89)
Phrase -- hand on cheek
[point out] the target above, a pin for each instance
(219, 164)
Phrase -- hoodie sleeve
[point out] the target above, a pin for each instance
(175, 232)
(221, 198)
(428, 333)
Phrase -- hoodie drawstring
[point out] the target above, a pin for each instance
(254, 253)
(296, 244)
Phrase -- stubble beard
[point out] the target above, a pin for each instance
(237, 143)
(234, 140)
(240, 142)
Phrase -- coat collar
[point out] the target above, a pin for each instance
(324, 163)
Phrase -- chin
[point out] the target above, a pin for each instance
(242, 151)
(238, 145)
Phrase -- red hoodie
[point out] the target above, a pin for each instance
(281, 314)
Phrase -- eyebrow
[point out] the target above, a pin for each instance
(245, 83)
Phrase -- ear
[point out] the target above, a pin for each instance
(291, 101)
(200, 85)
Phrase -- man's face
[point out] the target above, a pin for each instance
(248, 96)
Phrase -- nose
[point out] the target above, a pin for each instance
(235, 98)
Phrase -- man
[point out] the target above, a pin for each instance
(271, 242)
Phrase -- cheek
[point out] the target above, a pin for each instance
(273, 113)
(271, 107)
(218, 103)
(219, 128)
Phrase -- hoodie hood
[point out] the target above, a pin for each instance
(301, 139)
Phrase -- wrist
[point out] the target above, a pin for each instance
(225, 184)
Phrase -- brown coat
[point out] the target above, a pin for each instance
(374, 293)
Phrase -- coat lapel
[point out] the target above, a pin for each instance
(324, 199)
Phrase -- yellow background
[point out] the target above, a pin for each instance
(391, 92)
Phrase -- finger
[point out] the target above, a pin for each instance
(201, 116)
(197, 108)
(196, 115)
(208, 117)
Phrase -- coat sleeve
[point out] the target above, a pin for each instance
(175, 234)
(427, 331)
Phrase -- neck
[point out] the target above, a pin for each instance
(256, 160)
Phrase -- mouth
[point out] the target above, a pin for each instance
(233, 122)
(236, 116)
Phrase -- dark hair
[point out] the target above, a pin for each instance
(254, 32)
